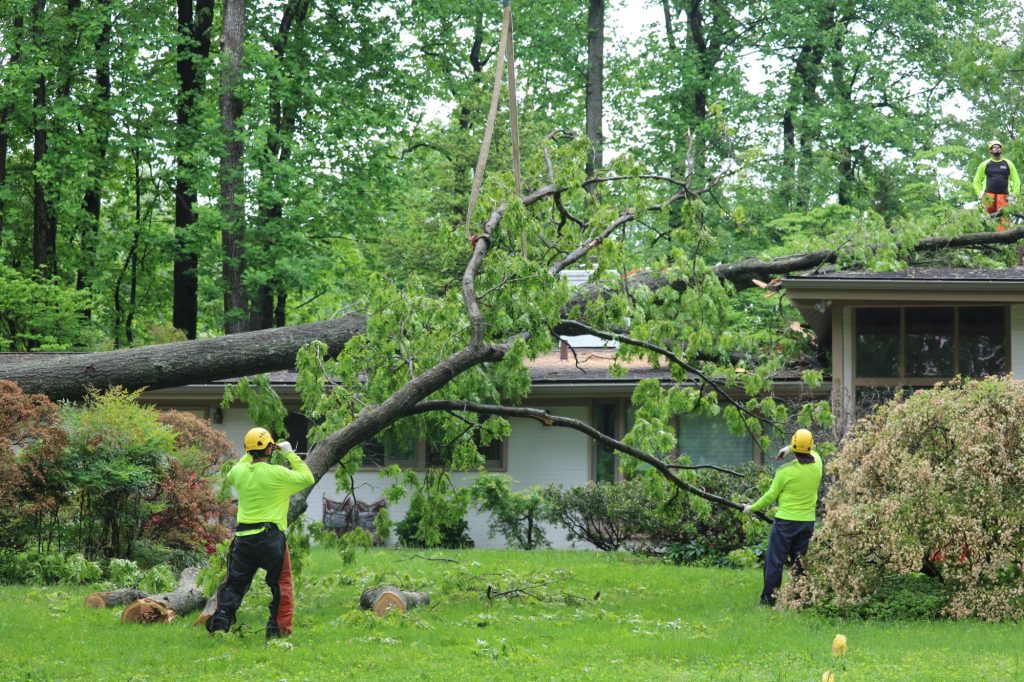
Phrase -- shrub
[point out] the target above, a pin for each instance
(148, 554)
(437, 514)
(32, 476)
(930, 485)
(117, 452)
(608, 516)
(32, 567)
(648, 515)
(449, 533)
(914, 596)
(514, 515)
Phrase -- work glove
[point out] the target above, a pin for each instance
(747, 509)
(1011, 199)
(783, 452)
(285, 446)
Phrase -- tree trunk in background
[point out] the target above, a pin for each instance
(194, 35)
(232, 199)
(44, 225)
(5, 113)
(264, 312)
(595, 84)
(93, 195)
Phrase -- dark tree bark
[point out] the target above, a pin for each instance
(595, 84)
(232, 198)
(268, 306)
(194, 24)
(44, 223)
(5, 113)
(182, 363)
(93, 195)
(670, 34)
(108, 600)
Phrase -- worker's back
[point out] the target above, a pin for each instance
(264, 489)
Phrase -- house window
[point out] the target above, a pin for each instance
(412, 453)
(437, 453)
(390, 447)
(917, 346)
(708, 440)
(606, 420)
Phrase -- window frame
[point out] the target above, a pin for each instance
(419, 459)
(902, 379)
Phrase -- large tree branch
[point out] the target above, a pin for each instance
(549, 419)
(182, 363)
(743, 273)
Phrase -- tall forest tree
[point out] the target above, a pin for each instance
(195, 21)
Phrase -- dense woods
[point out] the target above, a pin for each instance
(177, 171)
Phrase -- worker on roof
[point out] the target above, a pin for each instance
(795, 487)
(996, 182)
(263, 493)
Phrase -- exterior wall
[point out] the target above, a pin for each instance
(536, 455)
(1017, 341)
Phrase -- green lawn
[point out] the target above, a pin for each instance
(651, 621)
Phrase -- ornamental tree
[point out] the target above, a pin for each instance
(929, 486)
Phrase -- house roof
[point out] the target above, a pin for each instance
(918, 275)
(813, 294)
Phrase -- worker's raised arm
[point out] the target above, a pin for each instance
(299, 475)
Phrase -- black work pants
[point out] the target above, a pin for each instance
(268, 550)
(787, 543)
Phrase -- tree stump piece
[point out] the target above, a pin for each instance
(386, 597)
(162, 608)
(121, 597)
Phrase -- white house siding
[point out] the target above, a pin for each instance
(1017, 341)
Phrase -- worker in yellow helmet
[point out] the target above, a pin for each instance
(996, 182)
(263, 493)
(795, 487)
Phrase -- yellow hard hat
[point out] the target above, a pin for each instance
(993, 143)
(257, 439)
(802, 441)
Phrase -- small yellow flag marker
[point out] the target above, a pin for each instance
(839, 645)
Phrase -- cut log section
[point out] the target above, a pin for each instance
(108, 600)
(387, 597)
(162, 608)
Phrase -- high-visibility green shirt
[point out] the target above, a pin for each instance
(998, 177)
(264, 489)
(795, 486)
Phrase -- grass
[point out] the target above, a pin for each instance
(651, 621)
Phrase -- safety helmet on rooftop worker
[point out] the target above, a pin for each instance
(257, 439)
(802, 442)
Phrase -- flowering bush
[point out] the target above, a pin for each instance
(930, 485)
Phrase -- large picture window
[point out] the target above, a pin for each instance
(918, 346)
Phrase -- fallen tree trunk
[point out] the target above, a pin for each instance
(163, 608)
(67, 377)
(108, 600)
(387, 597)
